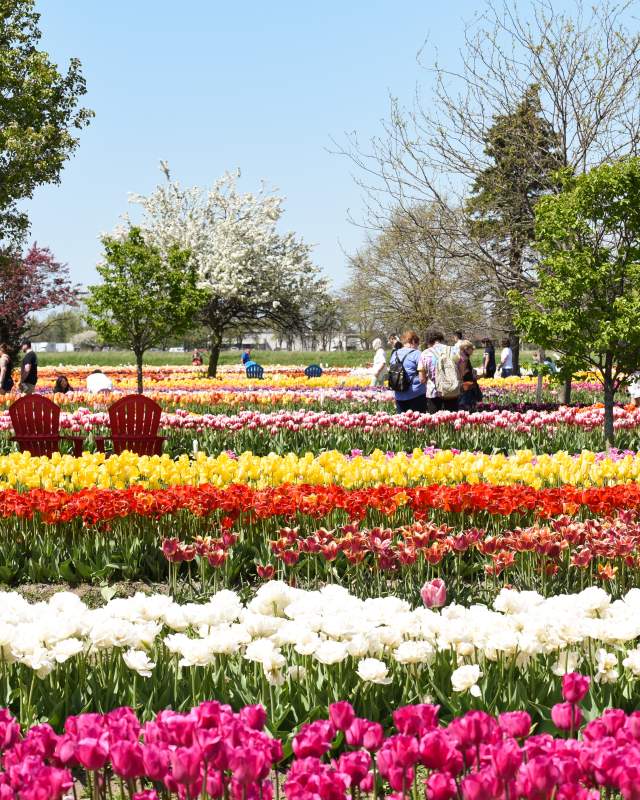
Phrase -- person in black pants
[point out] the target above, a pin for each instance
(414, 398)
(489, 359)
(29, 368)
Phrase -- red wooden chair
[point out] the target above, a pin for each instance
(135, 420)
(36, 424)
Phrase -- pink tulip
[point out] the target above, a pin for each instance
(92, 753)
(254, 716)
(373, 736)
(566, 716)
(440, 786)
(185, 765)
(249, 765)
(575, 686)
(434, 593)
(147, 794)
(507, 758)
(417, 719)
(9, 730)
(515, 723)
(538, 778)
(613, 719)
(126, 758)
(156, 761)
(314, 739)
(438, 751)
(341, 715)
(356, 765)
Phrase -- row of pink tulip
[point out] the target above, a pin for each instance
(212, 752)
(84, 419)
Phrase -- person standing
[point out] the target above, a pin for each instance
(246, 356)
(458, 342)
(6, 370)
(29, 368)
(438, 352)
(379, 369)
(404, 378)
(506, 359)
(394, 342)
(489, 359)
(471, 394)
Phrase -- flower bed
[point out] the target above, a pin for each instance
(96, 535)
(211, 752)
(348, 470)
(566, 428)
(296, 650)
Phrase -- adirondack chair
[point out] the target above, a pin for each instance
(313, 371)
(255, 371)
(134, 420)
(36, 424)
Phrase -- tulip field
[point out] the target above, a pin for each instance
(310, 596)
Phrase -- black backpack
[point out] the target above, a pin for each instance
(398, 379)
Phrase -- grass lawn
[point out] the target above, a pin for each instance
(112, 358)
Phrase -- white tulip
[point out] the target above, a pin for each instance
(465, 679)
(372, 670)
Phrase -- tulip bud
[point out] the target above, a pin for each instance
(575, 686)
(566, 716)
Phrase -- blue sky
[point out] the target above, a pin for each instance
(211, 86)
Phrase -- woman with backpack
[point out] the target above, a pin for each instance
(410, 392)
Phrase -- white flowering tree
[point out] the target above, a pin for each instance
(251, 273)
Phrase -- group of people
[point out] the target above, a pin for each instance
(28, 369)
(438, 377)
(97, 381)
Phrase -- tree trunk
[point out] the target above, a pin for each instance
(539, 384)
(514, 341)
(565, 392)
(214, 355)
(139, 355)
(609, 392)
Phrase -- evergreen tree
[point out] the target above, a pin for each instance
(525, 155)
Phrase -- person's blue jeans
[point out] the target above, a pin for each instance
(414, 404)
(506, 373)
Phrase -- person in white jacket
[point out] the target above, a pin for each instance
(97, 381)
(379, 369)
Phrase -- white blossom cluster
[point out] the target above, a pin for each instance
(287, 631)
(232, 237)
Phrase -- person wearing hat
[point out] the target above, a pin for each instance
(379, 369)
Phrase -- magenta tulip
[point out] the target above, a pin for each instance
(575, 686)
(341, 715)
(566, 716)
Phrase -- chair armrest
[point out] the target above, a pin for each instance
(130, 438)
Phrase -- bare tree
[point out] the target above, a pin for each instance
(585, 64)
(405, 277)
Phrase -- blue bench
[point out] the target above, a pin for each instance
(255, 371)
(313, 371)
